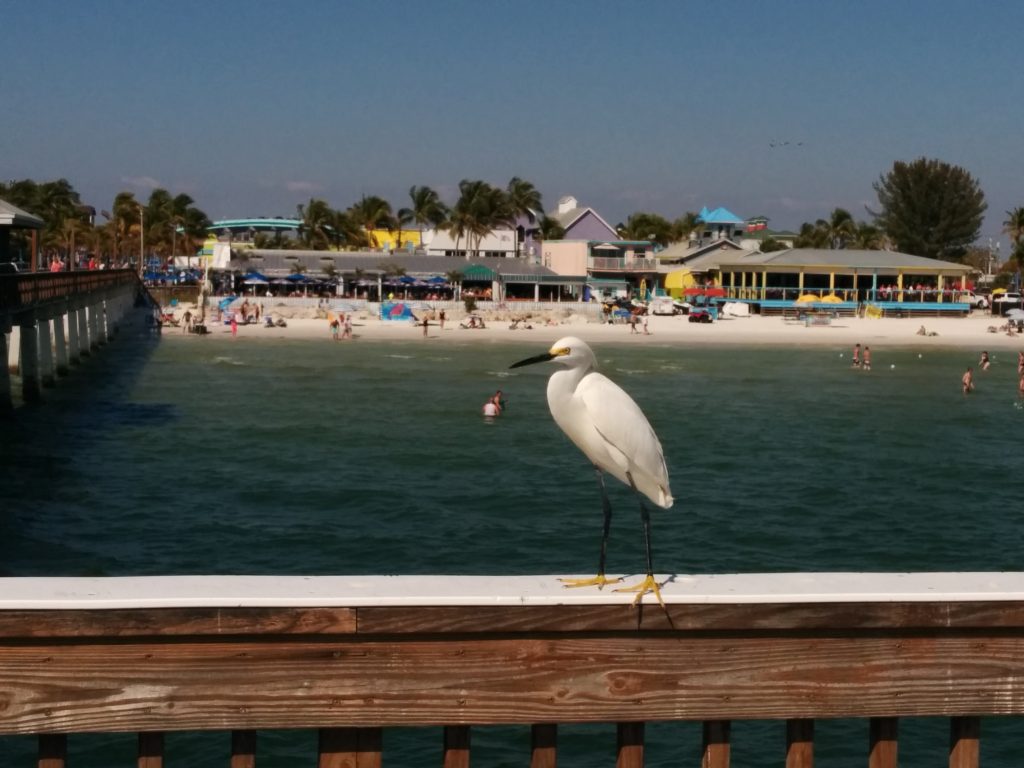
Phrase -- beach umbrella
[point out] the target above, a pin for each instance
(807, 298)
(297, 277)
(254, 275)
(256, 280)
(831, 299)
(1016, 315)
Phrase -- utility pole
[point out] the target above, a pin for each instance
(142, 238)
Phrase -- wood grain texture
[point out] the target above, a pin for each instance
(883, 744)
(181, 622)
(288, 683)
(715, 751)
(835, 617)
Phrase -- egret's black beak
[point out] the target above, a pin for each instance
(535, 359)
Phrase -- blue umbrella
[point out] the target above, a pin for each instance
(297, 277)
(254, 275)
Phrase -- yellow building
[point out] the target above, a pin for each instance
(390, 240)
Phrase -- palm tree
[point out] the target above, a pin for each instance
(427, 208)
(868, 237)
(684, 227)
(839, 228)
(126, 218)
(1014, 227)
(317, 217)
(550, 229)
(372, 213)
(479, 210)
(522, 199)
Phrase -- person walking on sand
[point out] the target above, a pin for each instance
(867, 359)
(968, 380)
(440, 319)
(856, 355)
(646, 332)
(234, 324)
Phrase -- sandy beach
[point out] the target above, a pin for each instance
(959, 332)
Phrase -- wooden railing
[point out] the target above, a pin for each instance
(352, 656)
(28, 290)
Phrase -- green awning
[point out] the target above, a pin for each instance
(478, 272)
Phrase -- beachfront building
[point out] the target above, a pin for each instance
(840, 279)
(281, 272)
(14, 218)
(591, 246)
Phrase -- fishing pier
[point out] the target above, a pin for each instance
(58, 318)
(350, 657)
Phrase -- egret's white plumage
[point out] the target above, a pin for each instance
(611, 430)
(605, 423)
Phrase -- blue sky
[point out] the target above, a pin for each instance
(664, 106)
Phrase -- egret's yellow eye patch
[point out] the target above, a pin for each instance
(559, 352)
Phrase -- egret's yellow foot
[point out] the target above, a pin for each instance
(598, 581)
(643, 588)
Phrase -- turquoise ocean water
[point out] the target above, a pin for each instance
(212, 455)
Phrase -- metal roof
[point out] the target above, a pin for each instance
(516, 270)
(13, 216)
(843, 258)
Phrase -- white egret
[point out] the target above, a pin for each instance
(612, 431)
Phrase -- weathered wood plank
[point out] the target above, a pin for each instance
(544, 746)
(53, 750)
(462, 680)
(800, 743)
(165, 622)
(630, 744)
(883, 747)
(350, 748)
(964, 742)
(151, 750)
(837, 617)
(716, 746)
(456, 746)
(243, 749)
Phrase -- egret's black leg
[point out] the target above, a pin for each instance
(645, 515)
(648, 584)
(606, 508)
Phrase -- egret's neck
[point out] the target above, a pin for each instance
(564, 381)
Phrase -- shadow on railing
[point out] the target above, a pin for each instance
(351, 671)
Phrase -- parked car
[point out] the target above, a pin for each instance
(976, 300)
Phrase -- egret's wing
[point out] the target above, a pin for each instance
(621, 422)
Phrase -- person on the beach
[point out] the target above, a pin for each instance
(867, 359)
(856, 355)
(347, 333)
(632, 323)
(335, 328)
(440, 319)
(234, 324)
(425, 323)
(984, 362)
(186, 324)
(646, 332)
(968, 380)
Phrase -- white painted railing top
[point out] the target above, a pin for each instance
(49, 593)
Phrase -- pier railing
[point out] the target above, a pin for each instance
(350, 657)
(28, 290)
